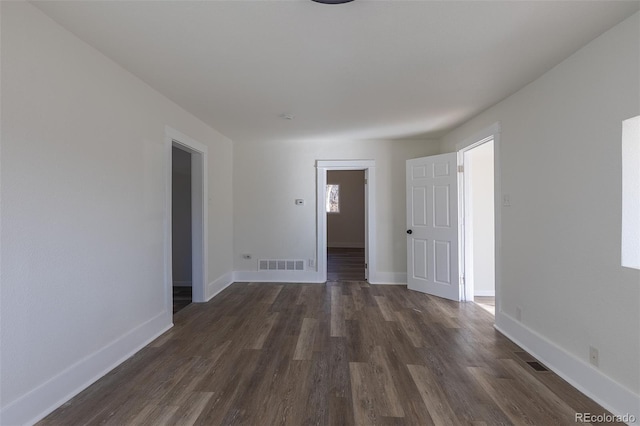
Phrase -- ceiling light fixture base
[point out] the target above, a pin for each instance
(332, 1)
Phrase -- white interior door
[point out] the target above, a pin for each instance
(432, 226)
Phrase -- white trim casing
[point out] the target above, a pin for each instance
(493, 131)
(369, 167)
(479, 138)
(278, 277)
(199, 197)
(465, 229)
(387, 278)
(497, 211)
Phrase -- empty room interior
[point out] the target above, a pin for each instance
(298, 212)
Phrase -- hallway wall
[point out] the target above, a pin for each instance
(84, 196)
(560, 160)
(269, 225)
(346, 229)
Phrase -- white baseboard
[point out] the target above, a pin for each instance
(583, 376)
(337, 244)
(278, 276)
(397, 278)
(39, 402)
(485, 293)
(218, 285)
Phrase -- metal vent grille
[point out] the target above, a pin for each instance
(537, 366)
(280, 265)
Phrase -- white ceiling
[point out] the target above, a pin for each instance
(362, 70)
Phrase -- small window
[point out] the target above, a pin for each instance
(631, 193)
(333, 198)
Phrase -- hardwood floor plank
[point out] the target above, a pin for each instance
(385, 308)
(227, 382)
(313, 298)
(364, 403)
(291, 395)
(262, 330)
(411, 328)
(415, 412)
(189, 411)
(339, 384)
(433, 396)
(349, 311)
(340, 411)
(153, 415)
(495, 388)
(317, 411)
(547, 401)
(337, 314)
(384, 379)
(373, 391)
(304, 346)
(359, 297)
(123, 413)
(272, 294)
(144, 415)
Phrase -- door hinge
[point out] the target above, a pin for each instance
(460, 168)
(366, 266)
(365, 181)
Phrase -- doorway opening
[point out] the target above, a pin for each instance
(345, 209)
(186, 221)
(478, 247)
(366, 169)
(181, 229)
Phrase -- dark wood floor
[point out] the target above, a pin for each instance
(182, 297)
(345, 264)
(339, 353)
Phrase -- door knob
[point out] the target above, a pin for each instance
(409, 231)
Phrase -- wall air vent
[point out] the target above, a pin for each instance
(280, 265)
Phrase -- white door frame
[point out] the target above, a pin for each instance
(490, 133)
(199, 215)
(369, 167)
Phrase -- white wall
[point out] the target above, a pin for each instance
(561, 164)
(479, 164)
(269, 176)
(83, 188)
(346, 229)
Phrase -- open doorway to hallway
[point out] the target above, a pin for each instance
(345, 225)
(479, 224)
(181, 228)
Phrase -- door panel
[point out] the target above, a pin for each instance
(420, 248)
(420, 206)
(432, 225)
